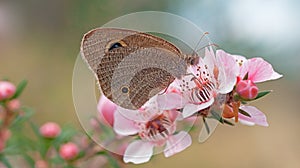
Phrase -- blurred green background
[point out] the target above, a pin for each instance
(40, 39)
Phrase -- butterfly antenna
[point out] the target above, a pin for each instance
(208, 45)
(202, 36)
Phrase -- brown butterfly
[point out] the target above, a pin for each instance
(130, 66)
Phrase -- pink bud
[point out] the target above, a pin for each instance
(5, 134)
(247, 89)
(7, 90)
(50, 130)
(13, 105)
(68, 151)
(107, 110)
(2, 145)
(41, 164)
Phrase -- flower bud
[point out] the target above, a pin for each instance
(7, 90)
(107, 110)
(2, 145)
(13, 105)
(246, 89)
(40, 164)
(50, 130)
(227, 112)
(68, 151)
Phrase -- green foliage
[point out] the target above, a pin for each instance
(21, 86)
(32, 145)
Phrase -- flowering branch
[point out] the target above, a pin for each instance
(50, 145)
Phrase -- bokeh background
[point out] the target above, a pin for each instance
(40, 39)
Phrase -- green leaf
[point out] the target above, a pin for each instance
(206, 125)
(262, 94)
(29, 160)
(217, 116)
(112, 161)
(21, 86)
(57, 160)
(18, 122)
(35, 129)
(246, 76)
(101, 153)
(228, 122)
(244, 113)
(5, 161)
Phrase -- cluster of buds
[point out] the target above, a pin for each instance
(52, 146)
(9, 108)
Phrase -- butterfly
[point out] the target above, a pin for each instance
(131, 66)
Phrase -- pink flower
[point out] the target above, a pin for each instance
(68, 151)
(107, 110)
(156, 128)
(258, 70)
(212, 76)
(13, 105)
(50, 130)
(247, 89)
(257, 117)
(7, 90)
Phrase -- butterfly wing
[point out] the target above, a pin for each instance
(131, 66)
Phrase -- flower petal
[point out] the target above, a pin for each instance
(259, 70)
(240, 60)
(230, 70)
(190, 109)
(124, 126)
(177, 143)
(106, 108)
(170, 101)
(257, 117)
(138, 152)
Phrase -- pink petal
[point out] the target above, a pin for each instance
(229, 71)
(257, 117)
(170, 101)
(134, 115)
(106, 108)
(177, 143)
(228, 61)
(259, 70)
(190, 109)
(187, 78)
(210, 58)
(138, 152)
(124, 126)
(240, 60)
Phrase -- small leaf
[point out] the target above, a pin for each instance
(262, 94)
(113, 162)
(217, 116)
(246, 76)
(29, 160)
(206, 125)
(21, 86)
(101, 153)
(228, 122)
(35, 129)
(5, 161)
(244, 113)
